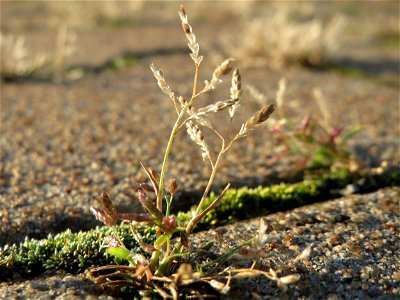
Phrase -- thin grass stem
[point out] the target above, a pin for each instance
(172, 137)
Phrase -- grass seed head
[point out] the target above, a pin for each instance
(215, 107)
(159, 75)
(197, 136)
(193, 45)
(222, 69)
(258, 118)
(236, 91)
(280, 94)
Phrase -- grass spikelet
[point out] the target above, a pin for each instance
(322, 105)
(280, 97)
(236, 91)
(258, 118)
(193, 45)
(159, 75)
(222, 69)
(215, 107)
(197, 136)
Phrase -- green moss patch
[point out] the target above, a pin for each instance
(69, 251)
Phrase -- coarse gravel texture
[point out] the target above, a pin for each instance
(355, 248)
(54, 285)
(355, 254)
(62, 144)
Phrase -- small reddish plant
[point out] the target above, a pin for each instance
(316, 141)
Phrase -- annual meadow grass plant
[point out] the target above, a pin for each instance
(163, 266)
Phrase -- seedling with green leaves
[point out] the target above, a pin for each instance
(317, 141)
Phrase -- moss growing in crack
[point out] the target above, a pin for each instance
(75, 252)
(69, 251)
(264, 200)
(120, 62)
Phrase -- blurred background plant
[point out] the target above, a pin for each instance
(102, 13)
(289, 34)
(16, 61)
(277, 34)
(315, 142)
(19, 61)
